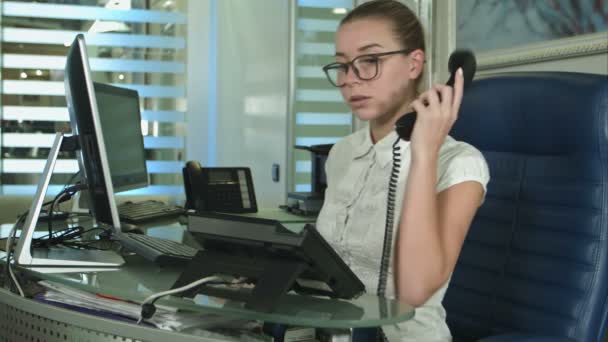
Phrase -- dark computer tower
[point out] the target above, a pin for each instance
(310, 203)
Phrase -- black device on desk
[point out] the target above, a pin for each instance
(162, 252)
(223, 189)
(310, 203)
(272, 257)
(120, 120)
(145, 211)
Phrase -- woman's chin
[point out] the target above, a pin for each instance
(365, 114)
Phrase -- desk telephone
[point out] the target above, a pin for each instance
(223, 189)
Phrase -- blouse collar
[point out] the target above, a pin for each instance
(383, 148)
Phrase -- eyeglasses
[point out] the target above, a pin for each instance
(365, 67)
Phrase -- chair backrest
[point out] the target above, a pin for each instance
(536, 256)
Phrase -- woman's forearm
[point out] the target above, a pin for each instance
(419, 257)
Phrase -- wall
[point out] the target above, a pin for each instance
(444, 41)
(594, 64)
(238, 59)
(253, 69)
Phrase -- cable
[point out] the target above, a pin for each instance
(64, 195)
(19, 223)
(147, 306)
(390, 219)
(9, 246)
(9, 243)
(58, 237)
(388, 228)
(72, 238)
(57, 199)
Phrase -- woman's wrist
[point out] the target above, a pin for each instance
(424, 156)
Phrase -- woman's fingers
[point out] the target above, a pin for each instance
(446, 98)
(458, 90)
(430, 99)
(419, 106)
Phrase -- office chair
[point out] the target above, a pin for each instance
(534, 266)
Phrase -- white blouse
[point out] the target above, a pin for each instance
(354, 211)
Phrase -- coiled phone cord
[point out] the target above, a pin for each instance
(390, 219)
(388, 228)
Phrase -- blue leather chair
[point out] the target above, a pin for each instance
(534, 266)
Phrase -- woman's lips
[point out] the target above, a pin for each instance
(358, 101)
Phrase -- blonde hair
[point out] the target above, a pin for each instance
(406, 26)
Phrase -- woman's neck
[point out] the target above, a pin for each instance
(381, 129)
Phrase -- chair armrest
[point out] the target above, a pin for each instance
(525, 338)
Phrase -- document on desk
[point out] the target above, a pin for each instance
(165, 317)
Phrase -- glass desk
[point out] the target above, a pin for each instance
(138, 279)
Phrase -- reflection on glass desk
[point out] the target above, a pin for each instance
(138, 279)
(280, 215)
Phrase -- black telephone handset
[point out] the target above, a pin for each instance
(464, 59)
(193, 185)
(223, 189)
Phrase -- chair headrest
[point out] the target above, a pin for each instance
(536, 113)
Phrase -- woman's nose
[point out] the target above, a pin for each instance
(351, 76)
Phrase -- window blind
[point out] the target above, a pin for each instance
(321, 117)
(133, 44)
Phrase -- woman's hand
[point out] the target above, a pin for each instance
(437, 111)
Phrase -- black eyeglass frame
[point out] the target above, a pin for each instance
(351, 64)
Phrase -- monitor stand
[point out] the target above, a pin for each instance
(64, 257)
(80, 203)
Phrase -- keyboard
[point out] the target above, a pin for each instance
(139, 212)
(162, 252)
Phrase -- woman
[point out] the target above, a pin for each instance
(379, 62)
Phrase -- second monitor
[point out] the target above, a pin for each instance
(120, 120)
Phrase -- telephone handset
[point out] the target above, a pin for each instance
(223, 189)
(464, 59)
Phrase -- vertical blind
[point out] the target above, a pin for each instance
(136, 44)
(321, 117)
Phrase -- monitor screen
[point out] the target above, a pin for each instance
(85, 122)
(121, 126)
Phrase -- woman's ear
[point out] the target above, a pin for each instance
(416, 65)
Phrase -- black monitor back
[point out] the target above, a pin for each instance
(84, 119)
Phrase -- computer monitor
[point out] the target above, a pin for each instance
(86, 124)
(273, 258)
(93, 162)
(121, 126)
